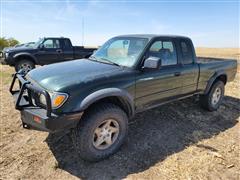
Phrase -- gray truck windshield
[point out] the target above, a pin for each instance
(38, 43)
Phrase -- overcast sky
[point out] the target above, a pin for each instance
(208, 23)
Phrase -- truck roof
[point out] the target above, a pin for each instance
(150, 36)
(55, 38)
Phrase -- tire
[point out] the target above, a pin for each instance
(84, 136)
(209, 101)
(26, 65)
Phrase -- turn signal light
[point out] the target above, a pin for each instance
(58, 100)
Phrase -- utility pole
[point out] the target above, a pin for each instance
(83, 31)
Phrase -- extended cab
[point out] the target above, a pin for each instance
(46, 51)
(96, 97)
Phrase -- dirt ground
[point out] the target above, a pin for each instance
(175, 141)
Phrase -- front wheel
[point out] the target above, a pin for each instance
(213, 99)
(25, 65)
(100, 132)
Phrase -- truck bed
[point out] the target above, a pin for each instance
(211, 59)
(209, 67)
(82, 52)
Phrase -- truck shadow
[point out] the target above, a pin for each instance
(153, 136)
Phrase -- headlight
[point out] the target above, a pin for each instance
(57, 99)
(6, 54)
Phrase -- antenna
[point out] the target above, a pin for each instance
(83, 31)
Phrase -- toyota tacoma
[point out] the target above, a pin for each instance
(94, 98)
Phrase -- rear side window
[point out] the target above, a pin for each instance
(67, 44)
(187, 55)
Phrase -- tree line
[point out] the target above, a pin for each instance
(7, 42)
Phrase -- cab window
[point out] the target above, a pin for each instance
(164, 50)
(51, 43)
(187, 55)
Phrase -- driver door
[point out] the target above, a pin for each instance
(154, 86)
(50, 52)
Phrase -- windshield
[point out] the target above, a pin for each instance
(30, 44)
(123, 51)
(35, 45)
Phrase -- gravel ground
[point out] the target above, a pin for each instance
(175, 141)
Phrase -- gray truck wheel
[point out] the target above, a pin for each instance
(24, 64)
(100, 132)
(213, 99)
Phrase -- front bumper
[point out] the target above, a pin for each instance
(38, 118)
(6, 60)
(2, 61)
(35, 118)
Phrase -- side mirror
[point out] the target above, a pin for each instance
(152, 63)
(41, 46)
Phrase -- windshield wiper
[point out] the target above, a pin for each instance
(110, 62)
(92, 58)
(104, 59)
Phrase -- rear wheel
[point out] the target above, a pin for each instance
(25, 65)
(100, 132)
(213, 99)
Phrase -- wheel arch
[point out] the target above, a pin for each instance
(27, 56)
(115, 96)
(222, 76)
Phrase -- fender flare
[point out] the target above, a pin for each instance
(25, 54)
(212, 80)
(123, 95)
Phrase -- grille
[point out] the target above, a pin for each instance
(33, 95)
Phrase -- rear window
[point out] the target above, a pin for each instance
(187, 55)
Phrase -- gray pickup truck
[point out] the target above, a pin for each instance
(96, 97)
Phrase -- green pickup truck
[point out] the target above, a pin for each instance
(94, 98)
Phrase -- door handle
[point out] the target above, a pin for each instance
(177, 74)
(59, 50)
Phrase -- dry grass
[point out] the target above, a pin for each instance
(233, 53)
(175, 141)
